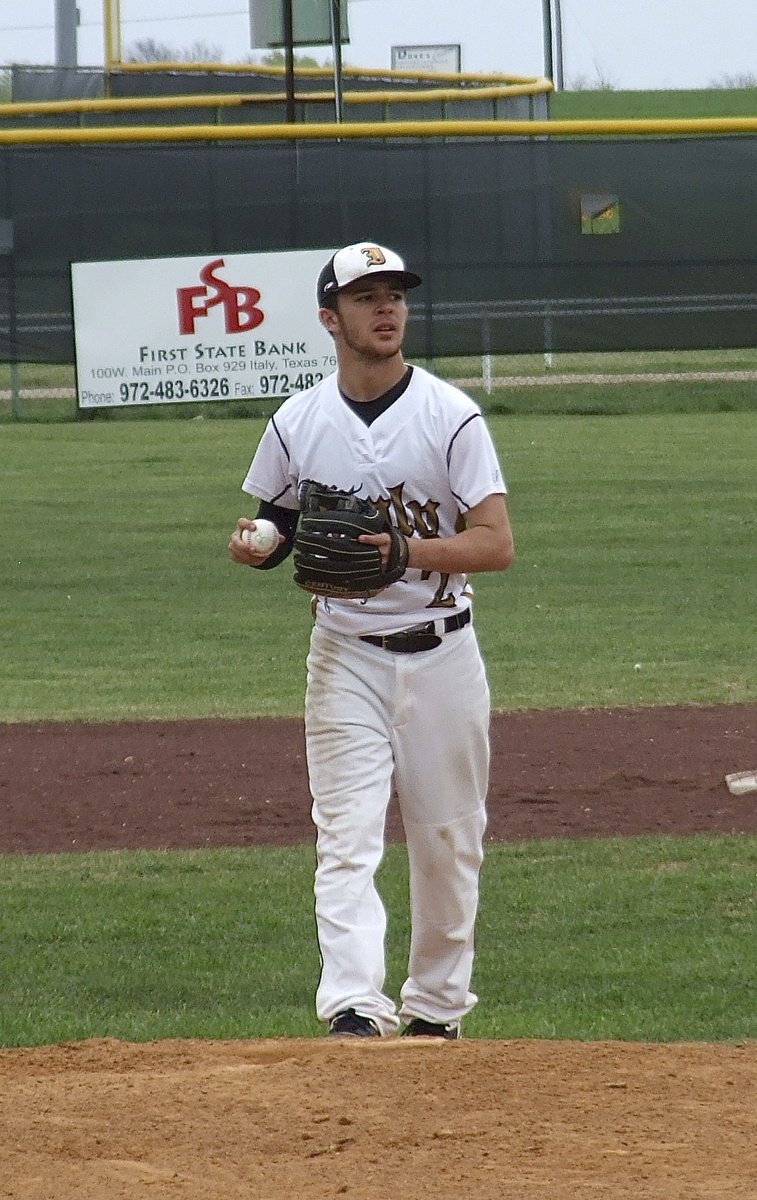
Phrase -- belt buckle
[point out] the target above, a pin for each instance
(426, 641)
(424, 627)
(413, 641)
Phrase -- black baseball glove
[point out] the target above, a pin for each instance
(328, 558)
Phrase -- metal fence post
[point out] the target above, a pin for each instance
(6, 249)
(16, 406)
(487, 357)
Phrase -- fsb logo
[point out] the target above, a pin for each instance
(239, 303)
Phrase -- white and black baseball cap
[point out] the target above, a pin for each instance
(356, 262)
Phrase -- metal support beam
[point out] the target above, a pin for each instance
(546, 21)
(335, 15)
(559, 80)
(66, 21)
(553, 42)
(288, 26)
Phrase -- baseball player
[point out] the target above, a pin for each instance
(396, 693)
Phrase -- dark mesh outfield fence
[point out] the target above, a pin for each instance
(524, 245)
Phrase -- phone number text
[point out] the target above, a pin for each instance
(215, 389)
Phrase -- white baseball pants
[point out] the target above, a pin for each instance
(420, 721)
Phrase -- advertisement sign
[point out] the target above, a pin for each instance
(210, 327)
(311, 22)
(445, 59)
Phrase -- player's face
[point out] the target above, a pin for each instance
(370, 318)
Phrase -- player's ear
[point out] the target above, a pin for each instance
(329, 319)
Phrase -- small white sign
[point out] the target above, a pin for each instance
(211, 327)
(445, 59)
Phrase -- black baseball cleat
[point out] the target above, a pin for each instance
(420, 1028)
(352, 1024)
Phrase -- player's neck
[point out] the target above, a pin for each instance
(363, 381)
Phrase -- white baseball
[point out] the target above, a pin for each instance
(263, 538)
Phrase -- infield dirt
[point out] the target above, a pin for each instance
(304, 1119)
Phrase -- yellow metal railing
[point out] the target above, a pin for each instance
(236, 99)
(697, 127)
(448, 88)
(453, 77)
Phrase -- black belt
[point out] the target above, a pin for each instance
(420, 637)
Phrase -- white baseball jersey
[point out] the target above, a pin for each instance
(427, 459)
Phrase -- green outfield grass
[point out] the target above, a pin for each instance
(606, 104)
(637, 939)
(635, 545)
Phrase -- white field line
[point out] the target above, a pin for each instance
(40, 393)
(638, 377)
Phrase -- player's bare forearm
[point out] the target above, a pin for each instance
(476, 549)
(486, 544)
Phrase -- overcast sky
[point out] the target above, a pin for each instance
(635, 44)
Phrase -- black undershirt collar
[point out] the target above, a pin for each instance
(368, 410)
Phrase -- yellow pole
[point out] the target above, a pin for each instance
(112, 33)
